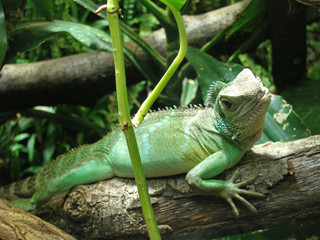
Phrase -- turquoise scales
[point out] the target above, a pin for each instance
(202, 141)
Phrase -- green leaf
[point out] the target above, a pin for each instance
(162, 16)
(259, 32)
(210, 70)
(174, 3)
(305, 100)
(44, 8)
(141, 65)
(189, 91)
(3, 35)
(48, 152)
(250, 17)
(281, 123)
(25, 123)
(50, 144)
(71, 122)
(11, 4)
(31, 147)
(91, 6)
(29, 35)
(16, 148)
(32, 169)
(20, 137)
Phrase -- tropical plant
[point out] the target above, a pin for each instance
(45, 29)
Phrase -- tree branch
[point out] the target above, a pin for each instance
(18, 224)
(83, 78)
(288, 174)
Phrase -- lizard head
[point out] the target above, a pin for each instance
(241, 107)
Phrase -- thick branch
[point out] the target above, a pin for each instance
(83, 78)
(288, 173)
(17, 224)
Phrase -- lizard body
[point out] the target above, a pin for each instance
(199, 141)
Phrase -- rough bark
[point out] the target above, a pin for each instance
(83, 78)
(288, 174)
(18, 224)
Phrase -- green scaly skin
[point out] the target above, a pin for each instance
(199, 141)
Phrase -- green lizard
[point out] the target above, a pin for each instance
(199, 141)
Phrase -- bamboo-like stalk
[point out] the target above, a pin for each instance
(113, 10)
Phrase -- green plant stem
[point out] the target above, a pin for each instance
(125, 120)
(170, 71)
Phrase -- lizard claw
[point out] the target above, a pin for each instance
(246, 203)
(236, 191)
(233, 206)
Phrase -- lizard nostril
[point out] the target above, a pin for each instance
(263, 92)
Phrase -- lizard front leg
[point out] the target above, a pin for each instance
(199, 179)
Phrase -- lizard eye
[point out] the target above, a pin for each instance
(226, 103)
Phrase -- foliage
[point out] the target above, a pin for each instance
(137, 16)
(28, 35)
(26, 143)
(35, 136)
(305, 98)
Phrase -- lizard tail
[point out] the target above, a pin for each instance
(22, 188)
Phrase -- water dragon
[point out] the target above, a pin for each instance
(199, 141)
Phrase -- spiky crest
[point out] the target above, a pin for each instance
(180, 108)
(213, 91)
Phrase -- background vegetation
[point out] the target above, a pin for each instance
(33, 137)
